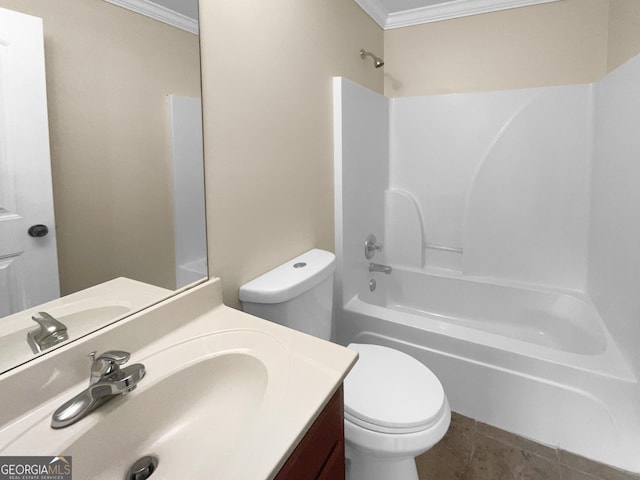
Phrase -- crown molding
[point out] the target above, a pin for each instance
(436, 13)
(158, 12)
(375, 10)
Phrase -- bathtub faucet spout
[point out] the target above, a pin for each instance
(376, 267)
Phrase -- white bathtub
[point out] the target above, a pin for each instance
(539, 363)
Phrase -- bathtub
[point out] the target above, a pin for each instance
(536, 362)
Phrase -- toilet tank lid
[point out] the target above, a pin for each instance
(290, 279)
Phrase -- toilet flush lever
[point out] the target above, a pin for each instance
(371, 246)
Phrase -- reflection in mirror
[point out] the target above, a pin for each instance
(101, 168)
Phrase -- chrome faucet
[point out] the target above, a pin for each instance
(49, 333)
(376, 267)
(107, 380)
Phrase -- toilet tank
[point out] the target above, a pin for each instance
(297, 294)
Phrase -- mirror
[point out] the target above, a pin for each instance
(119, 140)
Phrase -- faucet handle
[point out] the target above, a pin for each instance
(371, 246)
(48, 324)
(114, 357)
(106, 363)
(50, 332)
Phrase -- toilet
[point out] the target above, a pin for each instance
(394, 407)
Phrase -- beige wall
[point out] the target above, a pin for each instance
(548, 44)
(624, 32)
(108, 73)
(267, 70)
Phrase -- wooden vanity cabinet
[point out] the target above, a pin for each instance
(320, 454)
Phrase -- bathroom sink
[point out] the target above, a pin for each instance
(226, 395)
(199, 401)
(80, 319)
(82, 313)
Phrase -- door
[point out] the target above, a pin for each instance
(28, 257)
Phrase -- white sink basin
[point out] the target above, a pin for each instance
(82, 313)
(196, 405)
(15, 349)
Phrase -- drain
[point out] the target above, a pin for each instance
(143, 468)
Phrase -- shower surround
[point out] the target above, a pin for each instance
(508, 219)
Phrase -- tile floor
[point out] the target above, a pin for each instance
(476, 451)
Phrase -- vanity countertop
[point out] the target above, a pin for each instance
(243, 392)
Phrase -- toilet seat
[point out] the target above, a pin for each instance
(389, 391)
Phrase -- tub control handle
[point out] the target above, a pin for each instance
(371, 246)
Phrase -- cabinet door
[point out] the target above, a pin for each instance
(320, 454)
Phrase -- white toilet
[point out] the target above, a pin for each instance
(395, 407)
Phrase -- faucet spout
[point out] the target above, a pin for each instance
(101, 389)
(376, 267)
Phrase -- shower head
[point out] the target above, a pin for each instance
(377, 61)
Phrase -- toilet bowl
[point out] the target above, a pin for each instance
(395, 407)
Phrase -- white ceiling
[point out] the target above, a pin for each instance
(403, 13)
(179, 13)
(188, 8)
